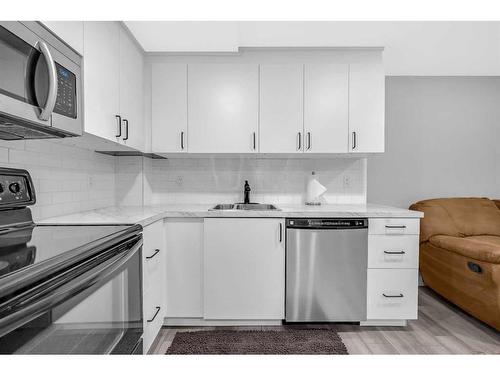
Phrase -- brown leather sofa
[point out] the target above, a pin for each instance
(460, 253)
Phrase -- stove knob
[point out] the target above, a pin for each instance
(15, 187)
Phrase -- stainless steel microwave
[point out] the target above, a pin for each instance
(40, 84)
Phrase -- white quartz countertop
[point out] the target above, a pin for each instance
(145, 215)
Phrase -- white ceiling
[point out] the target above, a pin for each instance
(411, 48)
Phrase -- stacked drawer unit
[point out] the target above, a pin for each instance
(392, 279)
(153, 267)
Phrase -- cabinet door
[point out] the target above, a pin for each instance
(281, 104)
(184, 292)
(69, 31)
(244, 268)
(102, 78)
(223, 108)
(366, 107)
(131, 92)
(169, 108)
(326, 108)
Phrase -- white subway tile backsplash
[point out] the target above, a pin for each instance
(67, 178)
(212, 180)
(4, 155)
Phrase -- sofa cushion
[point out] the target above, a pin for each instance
(459, 217)
(483, 248)
(436, 220)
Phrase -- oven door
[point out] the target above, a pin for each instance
(39, 84)
(94, 307)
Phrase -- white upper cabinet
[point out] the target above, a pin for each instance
(131, 92)
(71, 32)
(223, 101)
(113, 84)
(169, 108)
(326, 117)
(366, 107)
(281, 108)
(102, 78)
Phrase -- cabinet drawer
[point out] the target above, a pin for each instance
(392, 294)
(153, 318)
(392, 251)
(394, 226)
(154, 238)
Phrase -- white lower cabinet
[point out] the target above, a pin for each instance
(153, 270)
(184, 289)
(244, 269)
(392, 276)
(392, 294)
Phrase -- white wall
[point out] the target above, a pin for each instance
(442, 140)
(67, 178)
(411, 48)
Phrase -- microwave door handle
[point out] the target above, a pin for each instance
(52, 94)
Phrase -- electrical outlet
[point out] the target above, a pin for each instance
(347, 181)
(179, 181)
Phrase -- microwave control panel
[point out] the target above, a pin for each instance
(66, 92)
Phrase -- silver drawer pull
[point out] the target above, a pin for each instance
(154, 254)
(400, 295)
(395, 226)
(394, 252)
(158, 308)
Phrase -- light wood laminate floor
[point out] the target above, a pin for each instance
(441, 328)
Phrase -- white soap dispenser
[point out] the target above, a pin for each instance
(314, 191)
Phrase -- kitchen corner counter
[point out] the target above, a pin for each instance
(145, 215)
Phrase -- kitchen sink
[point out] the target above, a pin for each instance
(245, 206)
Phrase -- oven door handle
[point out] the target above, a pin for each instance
(23, 310)
(52, 94)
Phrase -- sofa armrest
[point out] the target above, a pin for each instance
(468, 247)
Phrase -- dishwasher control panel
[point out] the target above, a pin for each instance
(328, 223)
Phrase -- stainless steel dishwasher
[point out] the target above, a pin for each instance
(326, 262)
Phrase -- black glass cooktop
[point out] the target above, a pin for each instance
(30, 245)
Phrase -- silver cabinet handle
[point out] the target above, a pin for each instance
(126, 129)
(281, 232)
(400, 295)
(353, 140)
(395, 226)
(158, 308)
(394, 252)
(119, 123)
(308, 140)
(182, 140)
(299, 140)
(254, 141)
(52, 94)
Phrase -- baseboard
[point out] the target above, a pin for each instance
(383, 323)
(200, 322)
